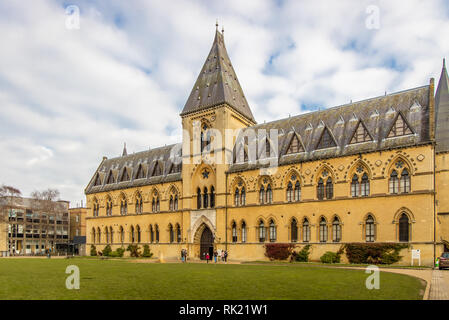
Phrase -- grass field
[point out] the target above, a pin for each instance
(115, 279)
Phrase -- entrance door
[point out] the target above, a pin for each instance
(207, 243)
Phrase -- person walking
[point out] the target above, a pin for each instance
(207, 257)
(182, 255)
(215, 256)
(222, 255)
(226, 256)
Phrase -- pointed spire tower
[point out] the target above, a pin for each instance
(218, 84)
(442, 112)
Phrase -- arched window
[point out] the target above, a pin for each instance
(176, 202)
(269, 197)
(198, 198)
(109, 206)
(272, 231)
(320, 189)
(297, 191)
(157, 233)
(171, 233)
(93, 235)
(139, 204)
(405, 181)
(111, 232)
(243, 197)
(370, 232)
(205, 198)
(261, 231)
(178, 233)
(171, 203)
(365, 185)
(404, 231)
(236, 197)
(329, 189)
(323, 230)
(336, 230)
(244, 234)
(355, 186)
(294, 230)
(138, 234)
(394, 182)
(106, 234)
(96, 208)
(151, 234)
(234, 232)
(131, 235)
(122, 235)
(289, 192)
(261, 194)
(123, 206)
(99, 235)
(212, 197)
(305, 231)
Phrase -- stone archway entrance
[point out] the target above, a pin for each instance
(206, 243)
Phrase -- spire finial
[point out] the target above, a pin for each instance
(125, 153)
(444, 63)
(216, 25)
(222, 30)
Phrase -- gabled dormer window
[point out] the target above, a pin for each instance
(157, 171)
(295, 146)
(326, 140)
(97, 180)
(140, 172)
(361, 134)
(400, 127)
(110, 178)
(125, 176)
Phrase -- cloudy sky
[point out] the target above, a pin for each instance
(70, 96)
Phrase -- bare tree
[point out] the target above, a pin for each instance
(45, 200)
(9, 191)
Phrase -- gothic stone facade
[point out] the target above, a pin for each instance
(371, 171)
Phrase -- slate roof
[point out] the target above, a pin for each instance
(165, 157)
(217, 84)
(442, 112)
(378, 116)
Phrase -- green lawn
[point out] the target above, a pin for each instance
(115, 279)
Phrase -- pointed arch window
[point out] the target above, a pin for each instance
(370, 231)
(96, 208)
(329, 189)
(269, 197)
(336, 230)
(361, 134)
(106, 234)
(138, 234)
(289, 192)
(140, 174)
(212, 197)
(404, 228)
(320, 189)
(261, 231)
(157, 233)
(198, 198)
(131, 235)
(171, 233)
(93, 236)
(205, 198)
(261, 194)
(109, 207)
(294, 230)
(234, 232)
(139, 204)
(364, 186)
(394, 182)
(272, 231)
(297, 191)
(236, 197)
(405, 181)
(171, 203)
(151, 234)
(244, 232)
(122, 235)
(326, 140)
(305, 231)
(110, 178)
(243, 197)
(355, 189)
(176, 202)
(323, 230)
(111, 232)
(123, 206)
(125, 176)
(178, 233)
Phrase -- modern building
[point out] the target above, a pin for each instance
(373, 171)
(78, 230)
(33, 227)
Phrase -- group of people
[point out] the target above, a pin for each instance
(184, 255)
(218, 254)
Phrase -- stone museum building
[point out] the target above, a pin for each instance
(373, 171)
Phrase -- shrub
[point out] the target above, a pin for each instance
(93, 251)
(146, 252)
(278, 251)
(107, 251)
(118, 253)
(134, 250)
(330, 257)
(303, 255)
(374, 253)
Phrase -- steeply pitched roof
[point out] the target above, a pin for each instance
(378, 116)
(217, 84)
(164, 157)
(442, 112)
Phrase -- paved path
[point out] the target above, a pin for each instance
(439, 287)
